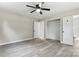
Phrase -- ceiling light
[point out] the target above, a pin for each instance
(38, 10)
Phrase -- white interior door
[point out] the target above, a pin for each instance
(68, 30)
(36, 25)
(39, 29)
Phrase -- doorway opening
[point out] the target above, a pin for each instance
(53, 29)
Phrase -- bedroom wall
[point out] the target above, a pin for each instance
(76, 26)
(65, 13)
(14, 27)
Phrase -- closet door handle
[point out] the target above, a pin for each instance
(62, 31)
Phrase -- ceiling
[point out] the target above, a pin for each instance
(56, 7)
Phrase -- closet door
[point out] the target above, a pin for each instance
(53, 29)
(68, 30)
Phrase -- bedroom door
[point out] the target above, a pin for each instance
(68, 30)
(36, 28)
(39, 29)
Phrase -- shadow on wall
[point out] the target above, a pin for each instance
(9, 33)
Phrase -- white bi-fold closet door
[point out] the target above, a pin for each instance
(53, 29)
(39, 29)
(68, 30)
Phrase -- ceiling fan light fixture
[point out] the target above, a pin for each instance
(38, 10)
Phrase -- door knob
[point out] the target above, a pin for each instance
(62, 31)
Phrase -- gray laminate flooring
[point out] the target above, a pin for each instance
(39, 48)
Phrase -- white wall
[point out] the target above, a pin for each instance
(76, 26)
(66, 13)
(14, 27)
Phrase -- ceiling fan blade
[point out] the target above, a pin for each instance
(32, 11)
(41, 13)
(45, 9)
(30, 6)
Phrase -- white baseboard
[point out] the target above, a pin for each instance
(16, 41)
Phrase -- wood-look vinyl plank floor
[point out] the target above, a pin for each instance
(39, 48)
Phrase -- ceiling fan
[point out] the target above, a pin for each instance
(38, 8)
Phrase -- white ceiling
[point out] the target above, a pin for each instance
(56, 7)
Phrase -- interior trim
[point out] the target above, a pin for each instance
(17, 41)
